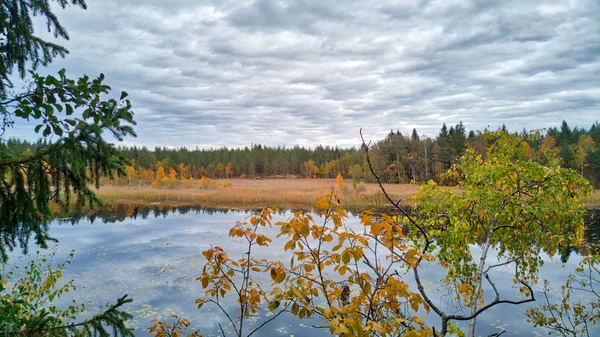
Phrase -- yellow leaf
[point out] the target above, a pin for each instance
(346, 257)
(280, 276)
(376, 228)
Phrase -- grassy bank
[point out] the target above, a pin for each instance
(251, 194)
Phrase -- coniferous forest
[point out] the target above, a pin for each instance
(402, 158)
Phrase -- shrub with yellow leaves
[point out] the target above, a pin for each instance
(353, 279)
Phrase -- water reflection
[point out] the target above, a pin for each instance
(153, 254)
(120, 212)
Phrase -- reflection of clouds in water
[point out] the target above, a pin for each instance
(156, 260)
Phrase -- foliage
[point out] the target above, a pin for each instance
(19, 44)
(400, 158)
(27, 304)
(73, 155)
(72, 117)
(509, 204)
(354, 280)
(339, 182)
(219, 272)
(572, 316)
(175, 329)
(223, 183)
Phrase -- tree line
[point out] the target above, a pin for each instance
(400, 158)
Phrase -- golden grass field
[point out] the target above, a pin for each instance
(280, 193)
(250, 194)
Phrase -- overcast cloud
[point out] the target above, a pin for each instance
(231, 73)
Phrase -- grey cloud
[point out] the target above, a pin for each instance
(273, 15)
(231, 73)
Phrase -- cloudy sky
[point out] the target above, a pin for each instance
(231, 73)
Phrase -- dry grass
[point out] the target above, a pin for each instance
(248, 194)
(280, 193)
(593, 201)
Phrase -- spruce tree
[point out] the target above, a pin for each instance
(72, 118)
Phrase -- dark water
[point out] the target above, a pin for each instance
(154, 256)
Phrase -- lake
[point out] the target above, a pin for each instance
(155, 255)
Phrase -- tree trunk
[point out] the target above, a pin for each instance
(478, 291)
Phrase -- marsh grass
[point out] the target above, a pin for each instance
(279, 193)
(593, 200)
(251, 194)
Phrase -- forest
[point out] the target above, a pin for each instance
(401, 158)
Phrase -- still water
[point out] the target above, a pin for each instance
(155, 255)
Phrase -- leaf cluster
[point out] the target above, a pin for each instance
(72, 116)
(27, 304)
(577, 310)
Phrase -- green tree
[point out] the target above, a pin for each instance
(72, 153)
(585, 146)
(72, 117)
(510, 203)
(20, 47)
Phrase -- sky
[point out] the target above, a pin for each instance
(234, 73)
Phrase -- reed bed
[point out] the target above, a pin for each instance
(593, 200)
(251, 194)
(279, 193)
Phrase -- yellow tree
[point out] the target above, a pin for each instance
(585, 145)
(220, 170)
(172, 175)
(339, 181)
(202, 172)
(310, 285)
(184, 171)
(146, 175)
(130, 170)
(323, 170)
(223, 275)
(310, 169)
(229, 170)
(547, 146)
(161, 176)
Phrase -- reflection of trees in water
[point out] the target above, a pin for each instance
(592, 233)
(121, 212)
(592, 238)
